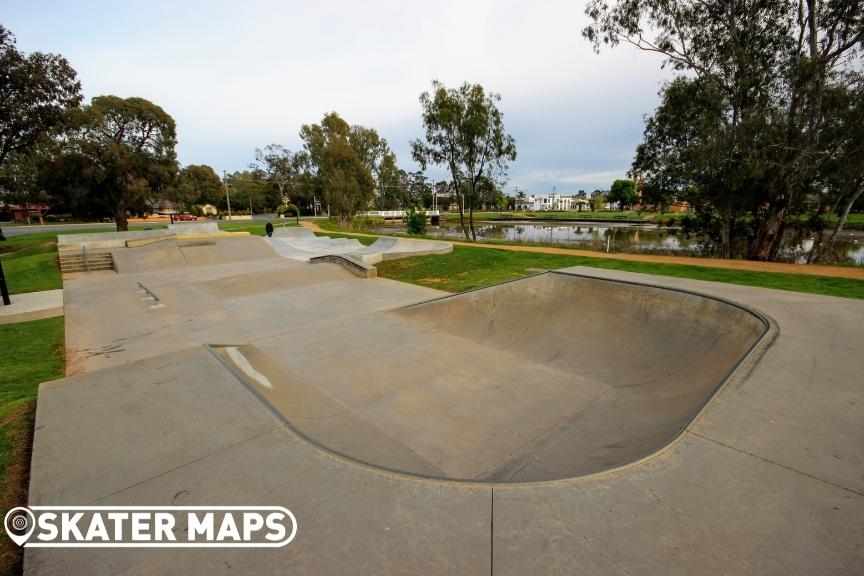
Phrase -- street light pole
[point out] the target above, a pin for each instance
(227, 196)
(4, 290)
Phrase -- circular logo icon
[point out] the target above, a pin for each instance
(20, 523)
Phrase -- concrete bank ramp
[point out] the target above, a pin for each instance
(543, 378)
(293, 232)
(170, 254)
(188, 228)
(302, 245)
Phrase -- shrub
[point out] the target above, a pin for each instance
(288, 209)
(415, 222)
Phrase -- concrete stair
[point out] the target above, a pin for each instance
(76, 261)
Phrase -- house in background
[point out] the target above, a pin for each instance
(23, 212)
(551, 203)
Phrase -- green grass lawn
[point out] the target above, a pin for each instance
(32, 353)
(469, 267)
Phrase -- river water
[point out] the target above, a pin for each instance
(622, 237)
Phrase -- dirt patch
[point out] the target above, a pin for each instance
(432, 280)
(18, 428)
(7, 249)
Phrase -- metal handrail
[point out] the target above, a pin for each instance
(149, 292)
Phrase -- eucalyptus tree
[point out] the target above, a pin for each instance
(197, 184)
(465, 133)
(121, 152)
(283, 169)
(842, 184)
(340, 161)
(36, 92)
(749, 153)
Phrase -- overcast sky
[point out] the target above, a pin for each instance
(241, 74)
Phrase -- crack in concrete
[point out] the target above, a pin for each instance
(574, 532)
(193, 461)
(778, 464)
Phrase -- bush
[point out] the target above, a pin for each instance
(415, 222)
(290, 209)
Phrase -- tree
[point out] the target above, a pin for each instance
(251, 190)
(36, 92)
(415, 221)
(762, 67)
(843, 184)
(197, 184)
(340, 161)
(283, 169)
(624, 193)
(598, 199)
(121, 151)
(393, 190)
(465, 133)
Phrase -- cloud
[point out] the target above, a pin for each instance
(237, 76)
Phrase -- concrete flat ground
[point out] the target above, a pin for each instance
(767, 480)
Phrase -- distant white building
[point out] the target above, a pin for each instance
(550, 203)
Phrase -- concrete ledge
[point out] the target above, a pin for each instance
(194, 227)
(135, 243)
(103, 239)
(353, 265)
(32, 306)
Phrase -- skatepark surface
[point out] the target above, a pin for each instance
(301, 244)
(597, 422)
(508, 383)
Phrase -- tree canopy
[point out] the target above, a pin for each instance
(36, 92)
(464, 131)
(623, 192)
(742, 132)
(120, 152)
(342, 162)
(197, 184)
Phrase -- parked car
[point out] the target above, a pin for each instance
(184, 216)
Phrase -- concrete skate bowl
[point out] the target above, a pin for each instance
(549, 377)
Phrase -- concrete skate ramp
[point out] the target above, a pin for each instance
(293, 232)
(300, 244)
(172, 254)
(548, 377)
(208, 227)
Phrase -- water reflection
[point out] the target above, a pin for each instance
(629, 238)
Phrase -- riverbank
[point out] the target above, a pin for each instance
(475, 265)
(742, 265)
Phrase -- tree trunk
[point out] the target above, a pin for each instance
(120, 220)
(725, 241)
(2, 237)
(471, 222)
(770, 233)
(462, 214)
(841, 222)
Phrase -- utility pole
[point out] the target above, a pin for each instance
(227, 197)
